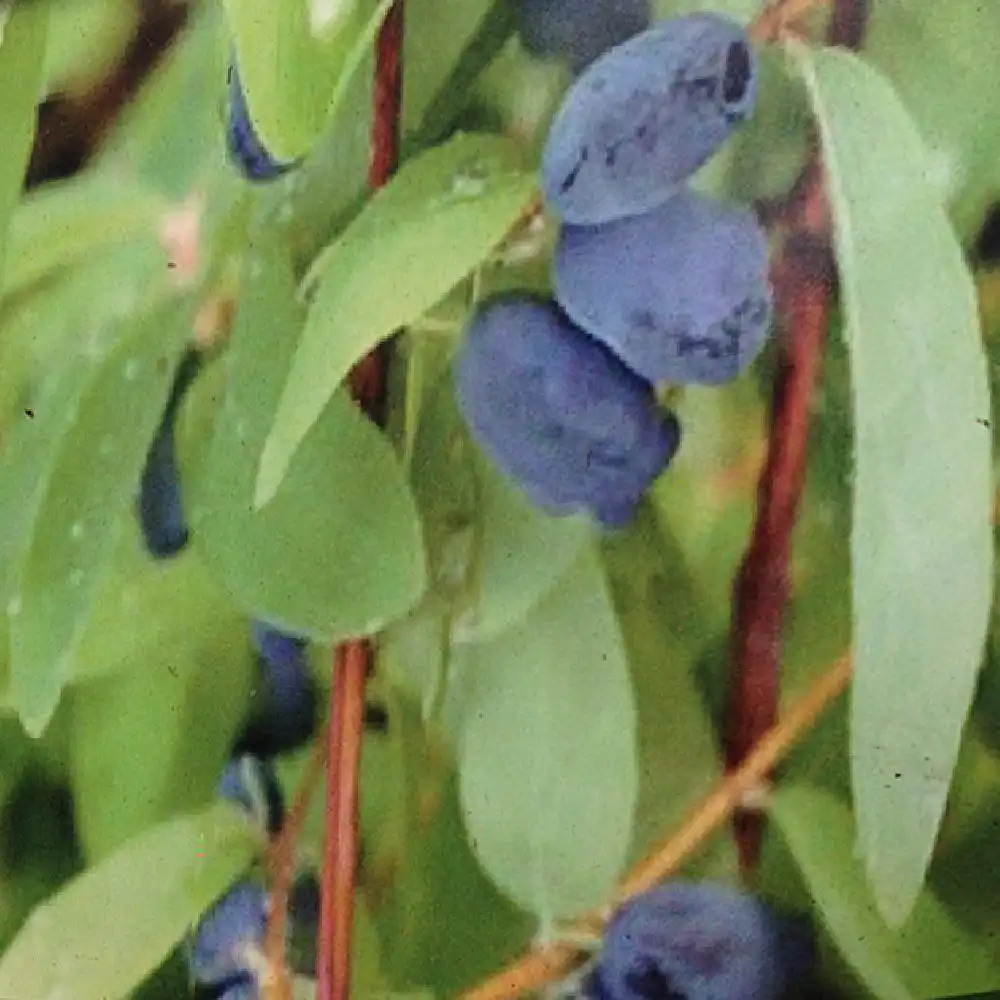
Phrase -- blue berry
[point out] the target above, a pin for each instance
(645, 116)
(284, 715)
(229, 938)
(251, 783)
(558, 413)
(578, 31)
(245, 147)
(680, 294)
(687, 941)
(160, 508)
(242, 987)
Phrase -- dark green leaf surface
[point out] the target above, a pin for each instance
(92, 475)
(23, 39)
(338, 552)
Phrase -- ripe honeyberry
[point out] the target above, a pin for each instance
(251, 783)
(284, 711)
(558, 413)
(645, 115)
(245, 147)
(161, 512)
(698, 941)
(229, 938)
(680, 294)
(578, 31)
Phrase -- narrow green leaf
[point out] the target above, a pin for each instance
(107, 929)
(413, 242)
(547, 757)
(64, 222)
(930, 956)
(91, 478)
(22, 75)
(339, 551)
(295, 63)
(921, 545)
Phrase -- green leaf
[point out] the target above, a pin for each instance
(91, 476)
(163, 668)
(107, 929)
(520, 553)
(921, 544)
(547, 755)
(338, 552)
(931, 53)
(930, 956)
(66, 221)
(296, 58)
(22, 73)
(665, 628)
(428, 228)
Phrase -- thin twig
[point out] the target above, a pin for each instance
(803, 286)
(537, 968)
(281, 869)
(353, 660)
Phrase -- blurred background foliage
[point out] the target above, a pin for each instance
(131, 209)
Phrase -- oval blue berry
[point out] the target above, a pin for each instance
(578, 31)
(246, 150)
(285, 698)
(688, 941)
(230, 935)
(647, 114)
(680, 294)
(558, 413)
(160, 508)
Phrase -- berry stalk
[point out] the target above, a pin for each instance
(803, 280)
(353, 660)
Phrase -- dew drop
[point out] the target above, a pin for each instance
(76, 530)
(14, 606)
(131, 369)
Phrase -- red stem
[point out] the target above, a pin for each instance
(353, 660)
(802, 279)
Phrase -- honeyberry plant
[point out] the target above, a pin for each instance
(564, 425)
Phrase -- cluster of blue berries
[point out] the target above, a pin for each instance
(652, 282)
(699, 941)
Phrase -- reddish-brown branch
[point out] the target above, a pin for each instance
(802, 279)
(353, 660)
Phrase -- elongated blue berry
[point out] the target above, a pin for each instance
(578, 31)
(160, 508)
(229, 938)
(558, 413)
(645, 115)
(285, 699)
(247, 151)
(680, 294)
(699, 941)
